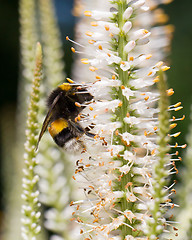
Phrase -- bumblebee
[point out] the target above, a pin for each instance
(64, 105)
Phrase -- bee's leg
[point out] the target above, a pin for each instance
(92, 135)
(76, 126)
(91, 126)
(80, 129)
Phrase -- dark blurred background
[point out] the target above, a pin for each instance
(179, 76)
(10, 71)
(9, 43)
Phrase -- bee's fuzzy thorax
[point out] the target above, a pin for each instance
(64, 105)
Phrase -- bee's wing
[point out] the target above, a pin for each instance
(47, 119)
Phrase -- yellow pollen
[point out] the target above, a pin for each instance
(173, 125)
(100, 47)
(67, 38)
(88, 13)
(165, 68)
(95, 116)
(145, 31)
(65, 86)
(91, 41)
(131, 58)
(93, 69)
(89, 33)
(176, 145)
(113, 77)
(156, 79)
(73, 49)
(96, 136)
(120, 104)
(91, 187)
(177, 104)
(149, 174)
(91, 108)
(159, 64)
(173, 190)
(108, 54)
(170, 92)
(146, 98)
(149, 73)
(96, 220)
(111, 35)
(97, 77)
(69, 80)
(183, 117)
(94, 24)
(176, 134)
(122, 62)
(85, 60)
(155, 128)
(178, 108)
(107, 27)
(153, 151)
(77, 104)
(78, 118)
(122, 87)
(148, 56)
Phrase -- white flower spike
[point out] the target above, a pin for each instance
(117, 172)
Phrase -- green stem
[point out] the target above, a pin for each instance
(160, 172)
(122, 112)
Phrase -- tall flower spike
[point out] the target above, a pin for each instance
(183, 214)
(30, 209)
(55, 170)
(116, 170)
(28, 39)
(160, 168)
